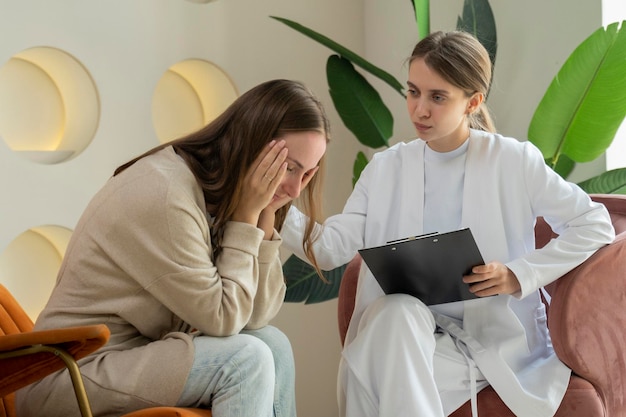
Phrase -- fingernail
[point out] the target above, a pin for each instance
(272, 143)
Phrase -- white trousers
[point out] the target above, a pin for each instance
(400, 365)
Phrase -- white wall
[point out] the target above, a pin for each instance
(615, 11)
(128, 44)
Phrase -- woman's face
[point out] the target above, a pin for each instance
(305, 149)
(437, 108)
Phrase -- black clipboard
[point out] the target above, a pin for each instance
(429, 267)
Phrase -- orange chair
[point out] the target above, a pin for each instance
(27, 356)
(587, 322)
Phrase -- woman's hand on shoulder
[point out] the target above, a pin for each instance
(493, 278)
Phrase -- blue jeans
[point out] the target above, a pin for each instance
(249, 374)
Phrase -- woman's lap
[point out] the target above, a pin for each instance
(250, 373)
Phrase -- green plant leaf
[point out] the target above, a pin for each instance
(422, 17)
(586, 102)
(346, 53)
(563, 167)
(610, 182)
(303, 283)
(478, 20)
(358, 103)
(359, 165)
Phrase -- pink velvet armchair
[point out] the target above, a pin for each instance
(587, 322)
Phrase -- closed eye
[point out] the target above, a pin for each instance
(295, 171)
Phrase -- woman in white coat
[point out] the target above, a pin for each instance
(403, 358)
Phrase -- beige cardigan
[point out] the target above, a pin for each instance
(141, 262)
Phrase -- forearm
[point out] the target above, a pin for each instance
(271, 287)
(340, 238)
(579, 237)
(266, 222)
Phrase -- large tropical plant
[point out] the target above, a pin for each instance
(575, 122)
(583, 108)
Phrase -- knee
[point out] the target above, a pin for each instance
(279, 344)
(398, 308)
(277, 341)
(255, 359)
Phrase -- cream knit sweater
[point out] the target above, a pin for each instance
(140, 261)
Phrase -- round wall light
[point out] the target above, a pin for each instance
(30, 264)
(189, 95)
(49, 105)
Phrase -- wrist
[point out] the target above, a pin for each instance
(245, 218)
(266, 223)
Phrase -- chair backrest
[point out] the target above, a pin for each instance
(13, 319)
(615, 204)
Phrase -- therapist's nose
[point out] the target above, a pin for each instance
(420, 108)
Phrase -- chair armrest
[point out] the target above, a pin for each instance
(587, 322)
(19, 367)
(347, 295)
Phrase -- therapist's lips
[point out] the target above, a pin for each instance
(420, 127)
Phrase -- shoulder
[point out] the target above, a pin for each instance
(164, 164)
(389, 163)
(399, 151)
(497, 145)
(154, 183)
(161, 170)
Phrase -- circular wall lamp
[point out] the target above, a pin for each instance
(189, 95)
(49, 105)
(30, 264)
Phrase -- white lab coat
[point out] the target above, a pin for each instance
(507, 186)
